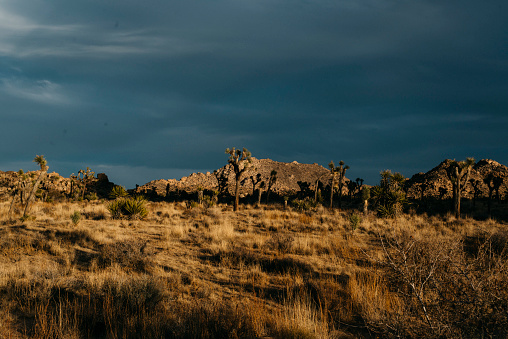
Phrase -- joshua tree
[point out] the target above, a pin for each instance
(271, 182)
(333, 173)
(255, 180)
(39, 160)
(351, 188)
(458, 173)
(240, 160)
(341, 172)
(222, 179)
(84, 178)
(477, 190)
(200, 190)
(317, 187)
(21, 189)
(493, 183)
(260, 191)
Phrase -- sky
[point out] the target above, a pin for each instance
(146, 90)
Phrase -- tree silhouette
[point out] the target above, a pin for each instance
(493, 183)
(337, 171)
(271, 182)
(458, 173)
(240, 160)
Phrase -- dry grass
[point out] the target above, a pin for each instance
(260, 272)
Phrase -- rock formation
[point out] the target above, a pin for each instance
(291, 178)
(435, 183)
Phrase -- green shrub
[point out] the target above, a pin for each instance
(131, 208)
(354, 221)
(75, 218)
(303, 204)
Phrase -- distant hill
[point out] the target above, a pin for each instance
(291, 178)
(435, 183)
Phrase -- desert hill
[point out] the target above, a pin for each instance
(292, 178)
(435, 183)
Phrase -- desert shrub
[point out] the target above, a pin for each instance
(280, 242)
(131, 208)
(303, 204)
(129, 255)
(354, 221)
(208, 201)
(115, 208)
(76, 218)
(91, 196)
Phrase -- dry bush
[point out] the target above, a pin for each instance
(129, 255)
(447, 291)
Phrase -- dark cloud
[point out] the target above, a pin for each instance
(162, 88)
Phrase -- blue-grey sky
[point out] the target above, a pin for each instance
(154, 89)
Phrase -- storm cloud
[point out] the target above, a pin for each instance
(160, 89)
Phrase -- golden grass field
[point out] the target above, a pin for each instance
(262, 272)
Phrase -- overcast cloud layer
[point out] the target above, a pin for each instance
(158, 89)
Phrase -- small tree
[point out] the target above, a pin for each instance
(39, 160)
(458, 173)
(493, 183)
(240, 160)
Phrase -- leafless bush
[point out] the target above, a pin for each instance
(446, 290)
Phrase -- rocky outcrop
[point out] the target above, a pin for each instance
(291, 178)
(54, 185)
(435, 183)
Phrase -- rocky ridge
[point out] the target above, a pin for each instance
(435, 183)
(291, 178)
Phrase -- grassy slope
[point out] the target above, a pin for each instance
(194, 272)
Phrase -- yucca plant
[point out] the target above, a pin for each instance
(389, 196)
(135, 207)
(131, 208)
(118, 192)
